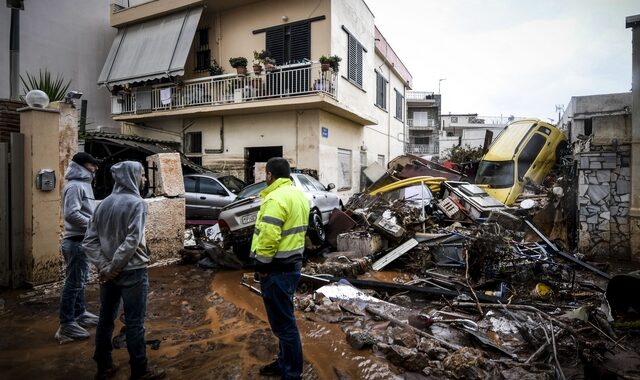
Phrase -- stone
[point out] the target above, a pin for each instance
(593, 210)
(605, 215)
(583, 200)
(613, 210)
(584, 162)
(603, 176)
(407, 358)
(583, 226)
(164, 229)
(624, 198)
(609, 158)
(624, 228)
(360, 339)
(582, 189)
(432, 349)
(604, 226)
(583, 218)
(597, 193)
(592, 219)
(625, 172)
(584, 211)
(595, 165)
(623, 186)
(622, 220)
(404, 337)
(608, 165)
(167, 178)
(593, 180)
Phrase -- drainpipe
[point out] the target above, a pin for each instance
(14, 48)
(633, 22)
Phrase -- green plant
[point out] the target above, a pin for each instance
(461, 154)
(334, 62)
(56, 89)
(324, 59)
(236, 62)
(215, 69)
(260, 56)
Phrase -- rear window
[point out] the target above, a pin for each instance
(498, 174)
(232, 183)
(252, 190)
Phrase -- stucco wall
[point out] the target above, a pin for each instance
(67, 37)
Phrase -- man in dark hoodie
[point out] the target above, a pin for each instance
(78, 205)
(115, 244)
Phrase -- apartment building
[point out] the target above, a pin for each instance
(423, 121)
(163, 71)
(469, 129)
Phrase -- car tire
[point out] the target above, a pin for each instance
(316, 228)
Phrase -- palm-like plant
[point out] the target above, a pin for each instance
(56, 89)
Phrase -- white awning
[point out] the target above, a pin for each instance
(152, 49)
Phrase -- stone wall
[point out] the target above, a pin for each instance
(604, 186)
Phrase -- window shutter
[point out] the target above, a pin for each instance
(359, 54)
(352, 57)
(275, 44)
(300, 42)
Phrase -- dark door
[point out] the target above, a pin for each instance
(260, 154)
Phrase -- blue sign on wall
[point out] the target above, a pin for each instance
(325, 132)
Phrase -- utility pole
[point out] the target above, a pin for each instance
(440, 81)
(559, 109)
(14, 48)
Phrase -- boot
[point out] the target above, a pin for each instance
(152, 373)
(68, 332)
(271, 369)
(107, 373)
(87, 319)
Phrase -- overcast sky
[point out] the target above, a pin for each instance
(502, 57)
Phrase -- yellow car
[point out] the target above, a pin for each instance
(524, 150)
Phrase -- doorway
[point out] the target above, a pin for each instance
(259, 154)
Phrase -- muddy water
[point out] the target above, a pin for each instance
(210, 327)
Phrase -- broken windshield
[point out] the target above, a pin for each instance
(498, 174)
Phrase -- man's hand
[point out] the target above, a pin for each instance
(107, 274)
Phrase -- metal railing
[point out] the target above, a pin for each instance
(284, 82)
(420, 95)
(413, 123)
(422, 148)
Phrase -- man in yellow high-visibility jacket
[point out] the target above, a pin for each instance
(277, 247)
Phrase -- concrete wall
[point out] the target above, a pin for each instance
(67, 37)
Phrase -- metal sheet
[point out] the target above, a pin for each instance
(151, 49)
(401, 250)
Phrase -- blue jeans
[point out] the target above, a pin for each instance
(131, 286)
(277, 292)
(76, 272)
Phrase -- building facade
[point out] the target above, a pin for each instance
(423, 122)
(469, 130)
(54, 37)
(164, 66)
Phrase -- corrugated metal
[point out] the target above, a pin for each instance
(152, 49)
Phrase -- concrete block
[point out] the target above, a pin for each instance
(167, 178)
(164, 230)
(363, 243)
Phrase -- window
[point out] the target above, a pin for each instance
(202, 51)
(363, 166)
(306, 184)
(381, 91)
(420, 119)
(399, 106)
(232, 183)
(210, 186)
(381, 159)
(190, 184)
(289, 43)
(193, 142)
(529, 154)
(319, 186)
(344, 169)
(588, 127)
(355, 54)
(421, 140)
(454, 119)
(497, 173)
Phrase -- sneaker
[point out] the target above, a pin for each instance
(87, 319)
(152, 373)
(68, 332)
(271, 369)
(106, 374)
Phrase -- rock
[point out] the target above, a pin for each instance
(402, 300)
(593, 180)
(605, 215)
(407, 358)
(592, 219)
(470, 363)
(597, 193)
(404, 337)
(603, 176)
(595, 165)
(360, 339)
(622, 186)
(432, 349)
(624, 198)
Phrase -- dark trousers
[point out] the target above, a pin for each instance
(277, 292)
(131, 286)
(76, 271)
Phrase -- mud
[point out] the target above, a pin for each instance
(210, 327)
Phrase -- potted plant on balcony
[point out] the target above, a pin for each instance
(334, 62)
(325, 63)
(240, 64)
(215, 69)
(257, 60)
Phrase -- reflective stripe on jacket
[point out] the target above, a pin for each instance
(282, 222)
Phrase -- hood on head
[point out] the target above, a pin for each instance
(77, 172)
(126, 175)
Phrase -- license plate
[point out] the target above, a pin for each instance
(250, 218)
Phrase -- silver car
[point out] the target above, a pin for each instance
(206, 194)
(237, 219)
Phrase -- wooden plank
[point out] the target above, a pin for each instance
(389, 257)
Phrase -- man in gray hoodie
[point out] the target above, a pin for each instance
(115, 244)
(78, 205)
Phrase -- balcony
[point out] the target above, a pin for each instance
(285, 82)
(422, 97)
(429, 124)
(421, 149)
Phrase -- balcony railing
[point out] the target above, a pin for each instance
(284, 82)
(422, 148)
(419, 123)
(420, 95)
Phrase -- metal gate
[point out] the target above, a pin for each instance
(12, 211)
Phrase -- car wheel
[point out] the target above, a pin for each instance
(316, 228)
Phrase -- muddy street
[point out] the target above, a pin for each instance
(208, 325)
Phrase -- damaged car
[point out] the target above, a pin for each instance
(237, 220)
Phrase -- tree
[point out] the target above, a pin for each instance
(463, 154)
(56, 89)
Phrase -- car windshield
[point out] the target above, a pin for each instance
(497, 174)
(252, 190)
(232, 183)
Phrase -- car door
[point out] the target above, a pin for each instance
(191, 197)
(212, 196)
(325, 200)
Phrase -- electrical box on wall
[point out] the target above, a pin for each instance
(46, 180)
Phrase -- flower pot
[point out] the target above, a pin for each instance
(325, 66)
(257, 69)
(242, 70)
(269, 67)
